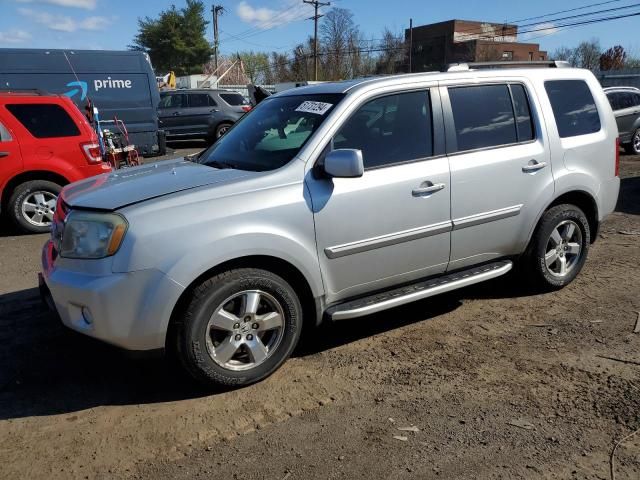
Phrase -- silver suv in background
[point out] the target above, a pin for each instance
(200, 114)
(625, 102)
(332, 202)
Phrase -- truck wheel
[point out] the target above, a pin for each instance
(32, 205)
(633, 148)
(238, 327)
(559, 247)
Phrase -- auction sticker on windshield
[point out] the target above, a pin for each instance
(319, 108)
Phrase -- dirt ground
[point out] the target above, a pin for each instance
(498, 383)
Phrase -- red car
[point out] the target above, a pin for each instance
(45, 143)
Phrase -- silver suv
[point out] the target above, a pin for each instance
(332, 202)
(625, 102)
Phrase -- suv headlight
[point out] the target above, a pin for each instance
(92, 234)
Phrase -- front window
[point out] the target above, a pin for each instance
(272, 134)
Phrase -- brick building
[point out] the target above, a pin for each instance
(439, 44)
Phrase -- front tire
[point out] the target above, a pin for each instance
(559, 247)
(238, 327)
(222, 129)
(32, 205)
(633, 148)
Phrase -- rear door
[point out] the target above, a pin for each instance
(500, 168)
(10, 155)
(171, 111)
(201, 113)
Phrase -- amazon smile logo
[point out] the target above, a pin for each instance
(82, 89)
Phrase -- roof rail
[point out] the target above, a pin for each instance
(24, 91)
(458, 67)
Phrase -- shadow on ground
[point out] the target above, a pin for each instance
(48, 369)
(629, 199)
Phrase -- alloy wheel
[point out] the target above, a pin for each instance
(564, 248)
(245, 330)
(38, 208)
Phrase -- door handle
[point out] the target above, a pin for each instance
(427, 189)
(175, 114)
(214, 110)
(4, 154)
(534, 167)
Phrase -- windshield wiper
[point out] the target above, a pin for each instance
(221, 165)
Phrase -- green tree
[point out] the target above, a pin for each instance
(256, 66)
(176, 39)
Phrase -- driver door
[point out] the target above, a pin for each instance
(392, 225)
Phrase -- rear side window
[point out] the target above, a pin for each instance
(45, 120)
(198, 100)
(614, 100)
(5, 136)
(233, 99)
(483, 116)
(573, 106)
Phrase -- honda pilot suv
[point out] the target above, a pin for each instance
(45, 143)
(335, 201)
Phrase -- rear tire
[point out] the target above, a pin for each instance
(238, 327)
(633, 148)
(32, 204)
(559, 247)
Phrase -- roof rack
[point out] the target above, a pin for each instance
(459, 67)
(25, 91)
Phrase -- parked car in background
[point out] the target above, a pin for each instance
(205, 114)
(119, 83)
(336, 201)
(625, 102)
(45, 143)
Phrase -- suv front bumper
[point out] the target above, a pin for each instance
(130, 310)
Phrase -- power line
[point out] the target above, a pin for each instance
(385, 49)
(566, 11)
(316, 4)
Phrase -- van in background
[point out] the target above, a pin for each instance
(120, 84)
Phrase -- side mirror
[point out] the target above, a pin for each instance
(344, 163)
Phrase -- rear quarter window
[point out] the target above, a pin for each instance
(573, 107)
(233, 99)
(45, 120)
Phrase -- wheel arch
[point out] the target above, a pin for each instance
(278, 266)
(28, 177)
(581, 199)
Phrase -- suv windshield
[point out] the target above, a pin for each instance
(271, 134)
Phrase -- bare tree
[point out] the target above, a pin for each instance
(565, 54)
(337, 31)
(587, 55)
(393, 55)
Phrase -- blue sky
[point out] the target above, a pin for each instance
(279, 24)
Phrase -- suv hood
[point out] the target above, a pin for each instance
(133, 185)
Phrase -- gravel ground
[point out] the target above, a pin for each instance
(494, 382)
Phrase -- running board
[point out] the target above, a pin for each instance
(417, 291)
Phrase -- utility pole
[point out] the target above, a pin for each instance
(216, 10)
(410, 44)
(316, 4)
